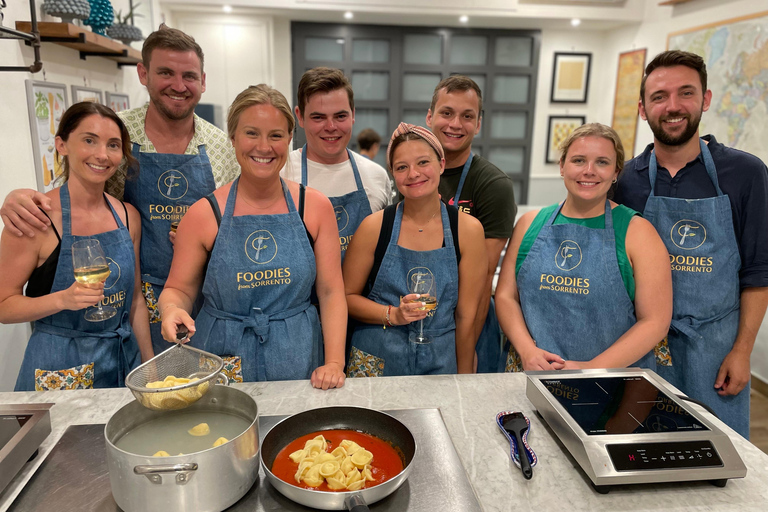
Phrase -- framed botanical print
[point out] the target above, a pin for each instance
(86, 94)
(118, 101)
(46, 103)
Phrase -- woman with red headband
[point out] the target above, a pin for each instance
(414, 271)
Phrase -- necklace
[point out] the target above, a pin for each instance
(421, 229)
(270, 205)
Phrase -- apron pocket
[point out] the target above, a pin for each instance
(363, 364)
(514, 363)
(151, 300)
(78, 377)
(661, 351)
(233, 368)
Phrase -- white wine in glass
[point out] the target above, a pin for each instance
(423, 283)
(91, 268)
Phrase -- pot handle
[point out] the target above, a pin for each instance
(356, 503)
(153, 473)
(165, 468)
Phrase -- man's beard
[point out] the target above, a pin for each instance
(173, 115)
(672, 140)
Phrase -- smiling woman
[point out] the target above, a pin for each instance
(66, 350)
(256, 255)
(414, 316)
(586, 283)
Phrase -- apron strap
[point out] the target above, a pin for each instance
(463, 178)
(709, 165)
(355, 171)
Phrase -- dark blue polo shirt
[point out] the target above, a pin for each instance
(743, 177)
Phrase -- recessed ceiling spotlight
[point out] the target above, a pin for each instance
(227, 9)
(463, 19)
(348, 15)
(575, 22)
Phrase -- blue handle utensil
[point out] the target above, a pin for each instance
(515, 426)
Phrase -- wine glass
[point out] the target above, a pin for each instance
(423, 283)
(91, 268)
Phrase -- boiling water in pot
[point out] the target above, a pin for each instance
(170, 433)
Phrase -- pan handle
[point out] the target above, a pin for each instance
(356, 503)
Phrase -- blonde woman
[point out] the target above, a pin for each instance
(256, 247)
(585, 283)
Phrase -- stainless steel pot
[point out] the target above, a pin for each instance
(369, 421)
(210, 480)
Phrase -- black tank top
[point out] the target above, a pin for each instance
(41, 280)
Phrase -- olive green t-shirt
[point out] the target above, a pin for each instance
(621, 217)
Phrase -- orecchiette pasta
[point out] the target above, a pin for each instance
(347, 467)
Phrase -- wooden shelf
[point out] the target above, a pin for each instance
(674, 2)
(86, 42)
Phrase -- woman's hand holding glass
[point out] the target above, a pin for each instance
(91, 271)
(411, 309)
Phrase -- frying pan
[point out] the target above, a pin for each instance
(372, 422)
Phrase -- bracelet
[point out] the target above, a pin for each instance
(389, 320)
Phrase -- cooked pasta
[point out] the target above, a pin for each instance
(346, 467)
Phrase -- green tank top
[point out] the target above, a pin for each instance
(621, 218)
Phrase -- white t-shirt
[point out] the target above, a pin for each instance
(335, 180)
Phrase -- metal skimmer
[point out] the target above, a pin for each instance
(179, 361)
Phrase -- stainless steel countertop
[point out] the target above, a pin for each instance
(75, 476)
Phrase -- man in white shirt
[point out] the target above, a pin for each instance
(355, 185)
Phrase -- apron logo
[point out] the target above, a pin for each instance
(422, 280)
(688, 234)
(261, 247)
(342, 217)
(568, 255)
(172, 185)
(114, 274)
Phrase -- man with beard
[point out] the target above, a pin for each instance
(181, 158)
(709, 204)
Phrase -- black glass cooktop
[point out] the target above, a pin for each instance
(621, 405)
(10, 424)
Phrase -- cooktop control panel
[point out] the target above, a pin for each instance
(650, 456)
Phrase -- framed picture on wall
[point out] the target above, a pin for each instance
(118, 101)
(570, 77)
(46, 102)
(560, 127)
(86, 94)
(629, 75)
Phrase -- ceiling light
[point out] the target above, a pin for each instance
(227, 9)
(463, 19)
(575, 22)
(348, 15)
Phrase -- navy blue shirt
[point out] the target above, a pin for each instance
(742, 177)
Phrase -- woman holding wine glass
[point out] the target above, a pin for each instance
(87, 259)
(414, 272)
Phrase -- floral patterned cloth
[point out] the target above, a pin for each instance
(79, 377)
(663, 356)
(233, 368)
(363, 364)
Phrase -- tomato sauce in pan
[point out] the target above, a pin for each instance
(386, 462)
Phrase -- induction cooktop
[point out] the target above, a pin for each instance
(627, 426)
(22, 428)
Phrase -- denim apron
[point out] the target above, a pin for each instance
(69, 351)
(705, 263)
(350, 208)
(167, 185)
(388, 352)
(256, 292)
(574, 301)
(488, 346)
